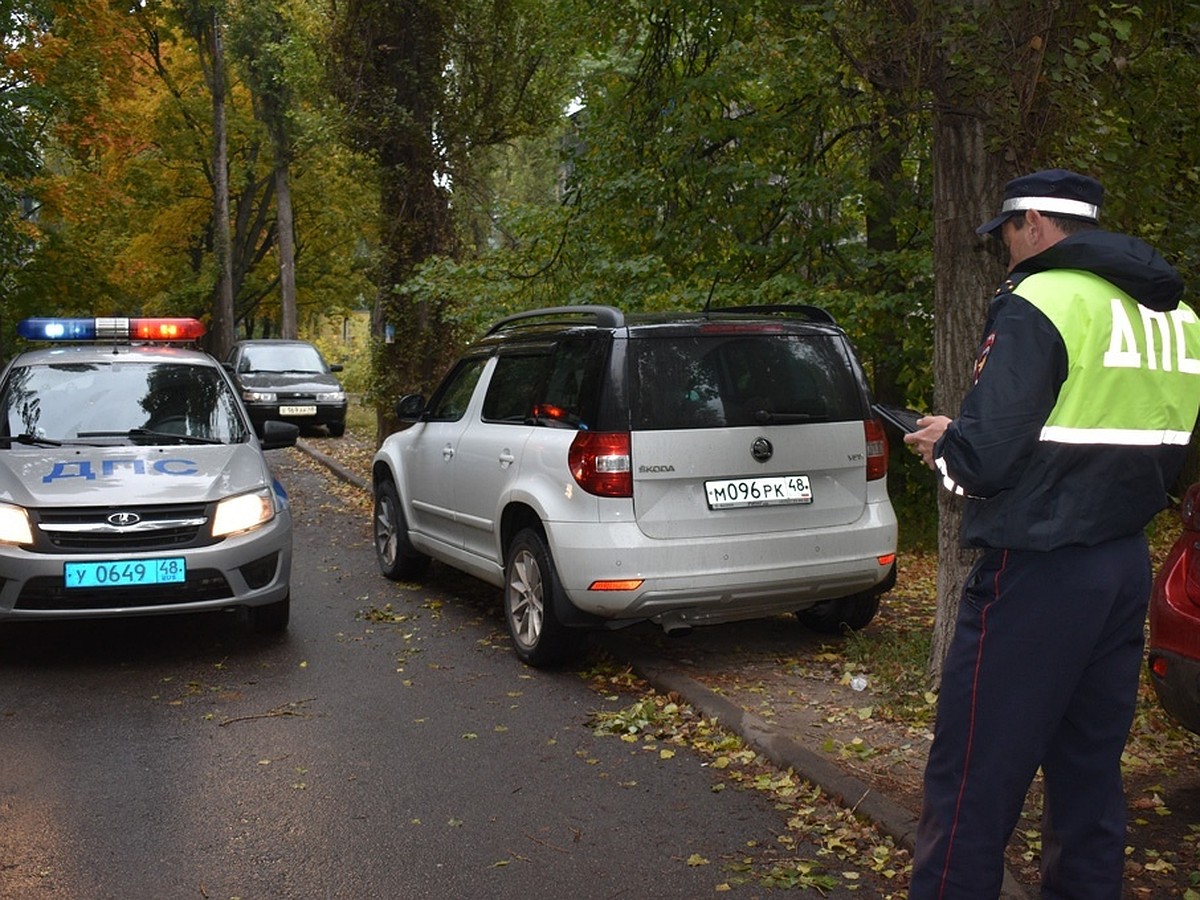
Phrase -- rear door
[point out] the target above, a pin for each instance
(746, 429)
(491, 453)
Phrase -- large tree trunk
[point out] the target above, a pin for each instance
(285, 225)
(967, 187)
(221, 338)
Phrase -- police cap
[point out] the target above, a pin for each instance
(1055, 191)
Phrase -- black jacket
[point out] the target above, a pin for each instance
(1026, 493)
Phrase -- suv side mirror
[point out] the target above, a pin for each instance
(335, 367)
(410, 407)
(274, 435)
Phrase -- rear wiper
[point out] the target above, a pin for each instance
(766, 417)
(138, 434)
(31, 440)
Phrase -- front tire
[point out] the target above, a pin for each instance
(397, 557)
(531, 594)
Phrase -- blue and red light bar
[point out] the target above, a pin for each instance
(101, 329)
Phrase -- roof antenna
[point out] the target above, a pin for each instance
(708, 299)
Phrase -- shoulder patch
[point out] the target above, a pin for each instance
(981, 360)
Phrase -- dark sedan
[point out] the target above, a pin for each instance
(289, 381)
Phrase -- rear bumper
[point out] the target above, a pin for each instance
(1179, 690)
(725, 579)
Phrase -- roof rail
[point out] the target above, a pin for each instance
(812, 313)
(589, 314)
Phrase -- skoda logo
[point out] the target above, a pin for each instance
(761, 449)
(121, 519)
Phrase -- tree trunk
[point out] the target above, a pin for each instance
(221, 338)
(288, 326)
(967, 187)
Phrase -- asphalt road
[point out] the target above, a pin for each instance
(389, 746)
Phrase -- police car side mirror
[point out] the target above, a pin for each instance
(275, 435)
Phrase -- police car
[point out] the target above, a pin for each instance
(131, 482)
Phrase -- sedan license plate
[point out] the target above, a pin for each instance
(774, 491)
(125, 572)
(297, 410)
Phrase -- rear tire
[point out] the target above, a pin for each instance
(272, 618)
(841, 614)
(397, 557)
(531, 594)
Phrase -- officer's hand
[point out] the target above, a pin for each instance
(922, 441)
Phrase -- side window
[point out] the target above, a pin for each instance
(573, 388)
(514, 387)
(554, 386)
(450, 403)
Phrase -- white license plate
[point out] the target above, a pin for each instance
(297, 410)
(776, 491)
(125, 572)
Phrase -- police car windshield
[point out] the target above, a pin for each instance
(125, 401)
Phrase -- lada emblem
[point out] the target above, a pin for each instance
(121, 519)
(761, 449)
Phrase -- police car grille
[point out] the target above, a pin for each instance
(49, 593)
(88, 530)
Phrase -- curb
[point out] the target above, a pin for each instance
(851, 792)
(334, 466)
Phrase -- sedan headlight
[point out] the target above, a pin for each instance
(258, 396)
(331, 397)
(14, 525)
(243, 513)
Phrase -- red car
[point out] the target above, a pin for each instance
(1174, 657)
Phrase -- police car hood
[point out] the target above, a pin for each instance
(1128, 262)
(112, 476)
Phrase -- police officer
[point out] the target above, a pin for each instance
(1085, 394)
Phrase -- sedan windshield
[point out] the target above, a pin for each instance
(142, 402)
(281, 358)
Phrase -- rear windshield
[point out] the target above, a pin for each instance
(739, 379)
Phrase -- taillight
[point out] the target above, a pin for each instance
(1189, 509)
(877, 449)
(601, 464)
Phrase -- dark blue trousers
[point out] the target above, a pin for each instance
(1042, 670)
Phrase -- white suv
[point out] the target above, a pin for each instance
(686, 469)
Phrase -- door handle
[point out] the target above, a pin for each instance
(448, 452)
(506, 459)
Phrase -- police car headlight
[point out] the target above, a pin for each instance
(243, 513)
(14, 525)
(331, 397)
(258, 396)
